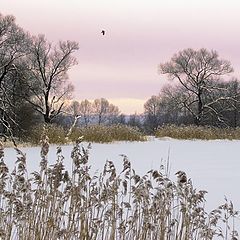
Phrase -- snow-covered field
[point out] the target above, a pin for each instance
(212, 165)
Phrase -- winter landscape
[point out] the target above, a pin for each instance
(119, 120)
(211, 165)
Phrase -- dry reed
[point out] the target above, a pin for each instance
(54, 203)
(197, 132)
(91, 133)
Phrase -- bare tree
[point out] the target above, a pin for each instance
(104, 110)
(82, 109)
(73, 108)
(151, 107)
(174, 99)
(167, 108)
(48, 68)
(152, 112)
(112, 113)
(196, 71)
(86, 111)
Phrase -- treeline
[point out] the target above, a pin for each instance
(34, 88)
(97, 112)
(33, 77)
(174, 105)
(203, 92)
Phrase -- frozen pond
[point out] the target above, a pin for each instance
(212, 165)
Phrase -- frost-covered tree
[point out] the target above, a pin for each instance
(229, 107)
(14, 44)
(197, 71)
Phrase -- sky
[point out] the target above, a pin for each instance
(122, 65)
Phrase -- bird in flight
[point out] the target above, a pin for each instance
(103, 32)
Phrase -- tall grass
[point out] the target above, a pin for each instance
(103, 133)
(197, 132)
(92, 133)
(53, 203)
(56, 134)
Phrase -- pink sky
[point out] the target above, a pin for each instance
(122, 65)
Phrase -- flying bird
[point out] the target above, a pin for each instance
(103, 32)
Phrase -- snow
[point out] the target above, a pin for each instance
(212, 165)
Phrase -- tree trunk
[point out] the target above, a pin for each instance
(99, 119)
(47, 119)
(235, 117)
(200, 106)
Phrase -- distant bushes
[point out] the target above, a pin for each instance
(197, 132)
(92, 133)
